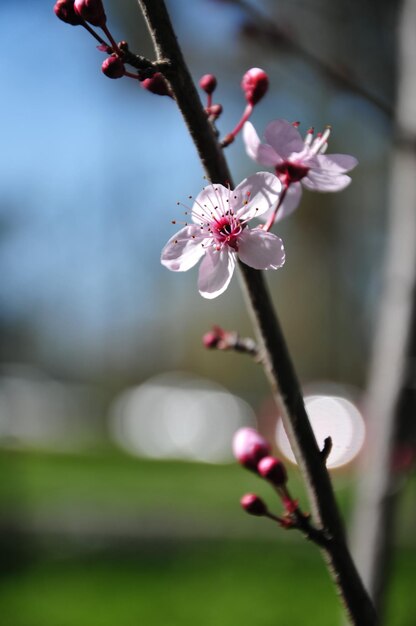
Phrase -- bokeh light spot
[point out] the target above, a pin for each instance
(330, 416)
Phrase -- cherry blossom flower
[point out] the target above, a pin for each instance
(219, 233)
(297, 162)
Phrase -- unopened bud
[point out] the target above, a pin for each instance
(123, 46)
(64, 9)
(255, 83)
(253, 505)
(213, 338)
(214, 111)
(272, 470)
(91, 11)
(208, 83)
(156, 84)
(249, 448)
(113, 67)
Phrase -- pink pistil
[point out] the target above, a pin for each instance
(289, 173)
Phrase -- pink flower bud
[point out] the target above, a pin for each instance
(156, 84)
(254, 84)
(253, 505)
(113, 67)
(208, 83)
(215, 111)
(91, 11)
(272, 470)
(213, 338)
(64, 9)
(249, 447)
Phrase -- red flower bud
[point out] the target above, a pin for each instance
(208, 83)
(253, 505)
(213, 338)
(64, 9)
(254, 84)
(113, 67)
(156, 84)
(91, 11)
(249, 447)
(214, 111)
(272, 470)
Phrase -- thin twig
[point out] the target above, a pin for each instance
(277, 361)
(271, 34)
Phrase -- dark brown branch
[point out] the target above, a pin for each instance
(277, 361)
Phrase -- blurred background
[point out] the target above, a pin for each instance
(118, 495)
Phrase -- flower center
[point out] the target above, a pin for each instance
(226, 230)
(288, 172)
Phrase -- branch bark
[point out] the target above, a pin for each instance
(278, 365)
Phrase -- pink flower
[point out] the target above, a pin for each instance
(298, 162)
(219, 233)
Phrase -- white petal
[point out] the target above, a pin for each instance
(215, 272)
(212, 199)
(184, 249)
(336, 163)
(260, 192)
(317, 180)
(284, 138)
(261, 250)
(260, 152)
(290, 201)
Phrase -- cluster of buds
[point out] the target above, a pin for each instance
(253, 452)
(208, 83)
(91, 13)
(254, 84)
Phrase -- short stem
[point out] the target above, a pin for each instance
(272, 218)
(131, 75)
(112, 40)
(231, 136)
(275, 518)
(94, 34)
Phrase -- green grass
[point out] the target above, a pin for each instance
(108, 480)
(213, 583)
(269, 578)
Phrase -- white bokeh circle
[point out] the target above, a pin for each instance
(330, 416)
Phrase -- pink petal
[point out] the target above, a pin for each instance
(184, 249)
(261, 250)
(262, 191)
(336, 163)
(260, 152)
(317, 180)
(284, 138)
(290, 201)
(209, 199)
(215, 272)
(289, 204)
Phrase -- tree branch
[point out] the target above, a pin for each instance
(277, 362)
